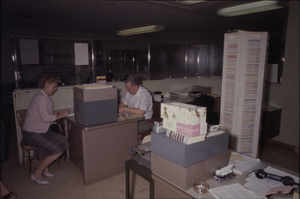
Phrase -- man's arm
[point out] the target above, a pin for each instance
(123, 107)
(135, 111)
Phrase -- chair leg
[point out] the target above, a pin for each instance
(23, 161)
(58, 163)
(29, 163)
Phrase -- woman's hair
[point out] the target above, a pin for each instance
(133, 80)
(50, 79)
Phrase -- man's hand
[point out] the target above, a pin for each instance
(122, 108)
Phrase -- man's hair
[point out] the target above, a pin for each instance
(134, 80)
(50, 79)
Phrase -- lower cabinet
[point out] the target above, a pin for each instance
(163, 189)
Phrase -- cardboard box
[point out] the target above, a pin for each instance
(88, 95)
(185, 177)
(184, 129)
(183, 113)
(175, 115)
(96, 118)
(187, 155)
(95, 112)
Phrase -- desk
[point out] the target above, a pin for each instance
(101, 150)
(141, 170)
(165, 189)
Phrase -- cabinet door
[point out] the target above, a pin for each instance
(74, 134)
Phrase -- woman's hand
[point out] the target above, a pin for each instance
(60, 114)
(57, 112)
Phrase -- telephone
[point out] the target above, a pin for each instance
(286, 180)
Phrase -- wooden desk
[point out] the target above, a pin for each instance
(141, 170)
(100, 151)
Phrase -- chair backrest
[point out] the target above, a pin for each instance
(21, 116)
(156, 110)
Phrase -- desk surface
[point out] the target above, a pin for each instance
(121, 120)
(213, 184)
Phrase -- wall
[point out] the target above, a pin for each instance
(286, 95)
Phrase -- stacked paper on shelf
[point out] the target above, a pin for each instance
(242, 163)
(93, 86)
(202, 89)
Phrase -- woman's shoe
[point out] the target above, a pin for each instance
(38, 181)
(48, 174)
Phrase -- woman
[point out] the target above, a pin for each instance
(40, 115)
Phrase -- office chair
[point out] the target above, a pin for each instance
(27, 158)
(155, 118)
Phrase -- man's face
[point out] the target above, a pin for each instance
(131, 89)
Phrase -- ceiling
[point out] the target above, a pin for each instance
(108, 17)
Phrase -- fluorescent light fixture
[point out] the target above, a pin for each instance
(190, 2)
(140, 30)
(258, 6)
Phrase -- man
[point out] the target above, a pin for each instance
(137, 100)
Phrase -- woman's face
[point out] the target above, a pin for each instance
(50, 89)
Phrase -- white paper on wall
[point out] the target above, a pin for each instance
(81, 54)
(29, 51)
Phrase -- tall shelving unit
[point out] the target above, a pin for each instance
(242, 89)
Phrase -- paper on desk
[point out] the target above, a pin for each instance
(233, 191)
(257, 188)
(71, 112)
(268, 183)
(241, 167)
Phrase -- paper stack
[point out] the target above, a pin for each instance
(243, 163)
(93, 86)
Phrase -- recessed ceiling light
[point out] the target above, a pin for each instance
(189, 2)
(140, 30)
(248, 8)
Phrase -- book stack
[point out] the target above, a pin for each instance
(184, 122)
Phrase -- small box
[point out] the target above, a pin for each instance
(184, 129)
(187, 155)
(88, 95)
(174, 113)
(185, 177)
